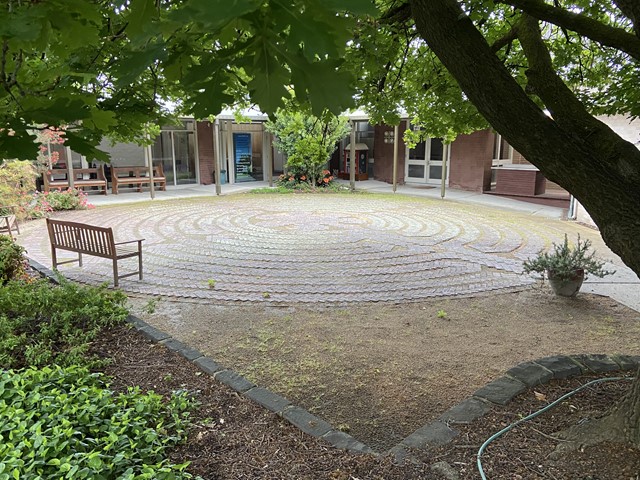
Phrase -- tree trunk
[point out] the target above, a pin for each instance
(573, 149)
(583, 155)
(620, 425)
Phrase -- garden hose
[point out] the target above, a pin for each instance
(535, 414)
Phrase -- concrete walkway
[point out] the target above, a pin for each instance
(327, 249)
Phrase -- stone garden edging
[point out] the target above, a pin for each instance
(437, 433)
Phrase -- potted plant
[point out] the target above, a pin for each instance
(566, 266)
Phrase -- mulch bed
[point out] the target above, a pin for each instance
(525, 452)
(234, 438)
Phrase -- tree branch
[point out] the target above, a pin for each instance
(397, 14)
(506, 39)
(631, 10)
(543, 79)
(606, 35)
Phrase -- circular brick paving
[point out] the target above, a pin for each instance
(312, 248)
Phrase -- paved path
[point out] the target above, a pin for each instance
(335, 249)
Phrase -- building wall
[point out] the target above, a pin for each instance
(206, 152)
(471, 157)
(583, 216)
(123, 154)
(519, 159)
(383, 161)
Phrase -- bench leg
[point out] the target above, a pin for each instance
(140, 264)
(115, 272)
(79, 259)
(54, 258)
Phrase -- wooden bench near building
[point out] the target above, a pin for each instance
(137, 176)
(92, 240)
(82, 178)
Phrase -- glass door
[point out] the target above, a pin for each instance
(243, 162)
(425, 162)
(175, 149)
(162, 152)
(185, 157)
(434, 164)
(416, 163)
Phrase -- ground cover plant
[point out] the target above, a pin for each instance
(57, 417)
(42, 323)
(66, 421)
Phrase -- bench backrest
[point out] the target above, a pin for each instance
(124, 172)
(78, 174)
(82, 238)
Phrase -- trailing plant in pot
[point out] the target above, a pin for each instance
(567, 265)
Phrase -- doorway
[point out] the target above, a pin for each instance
(175, 149)
(424, 163)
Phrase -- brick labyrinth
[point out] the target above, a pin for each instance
(309, 249)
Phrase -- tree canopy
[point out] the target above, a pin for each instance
(535, 70)
(101, 67)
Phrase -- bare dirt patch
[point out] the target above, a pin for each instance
(380, 371)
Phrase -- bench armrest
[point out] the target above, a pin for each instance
(130, 241)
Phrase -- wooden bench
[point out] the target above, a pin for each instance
(82, 178)
(92, 240)
(137, 176)
(8, 220)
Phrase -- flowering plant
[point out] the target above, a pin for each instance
(41, 204)
(301, 181)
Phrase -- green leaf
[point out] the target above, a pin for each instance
(328, 85)
(142, 13)
(85, 147)
(214, 14)
(267, 88)
(134, 63)
(17, 144)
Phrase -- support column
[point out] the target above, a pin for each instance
(352, 157)
(267, 164)
(70, 175)
(231, 171)
(217, 152)
(445, 159)
(148, 158)
(395, 157)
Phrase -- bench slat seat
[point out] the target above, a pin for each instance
(81, 179)
(92, 240)
(137, 176)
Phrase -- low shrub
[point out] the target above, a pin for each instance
(64, 423)
(40, 204)
(17, 179)
(42, 324)
(12, 261)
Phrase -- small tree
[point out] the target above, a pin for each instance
(306, 140)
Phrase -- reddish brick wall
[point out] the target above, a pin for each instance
(205, 152)
(383, 154)
(471, 156)
(519, 159)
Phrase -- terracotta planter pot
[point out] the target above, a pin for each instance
(566, 287)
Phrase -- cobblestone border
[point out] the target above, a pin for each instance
(440, 432)
(502, 390)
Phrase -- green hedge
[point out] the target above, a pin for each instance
(63, 423)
